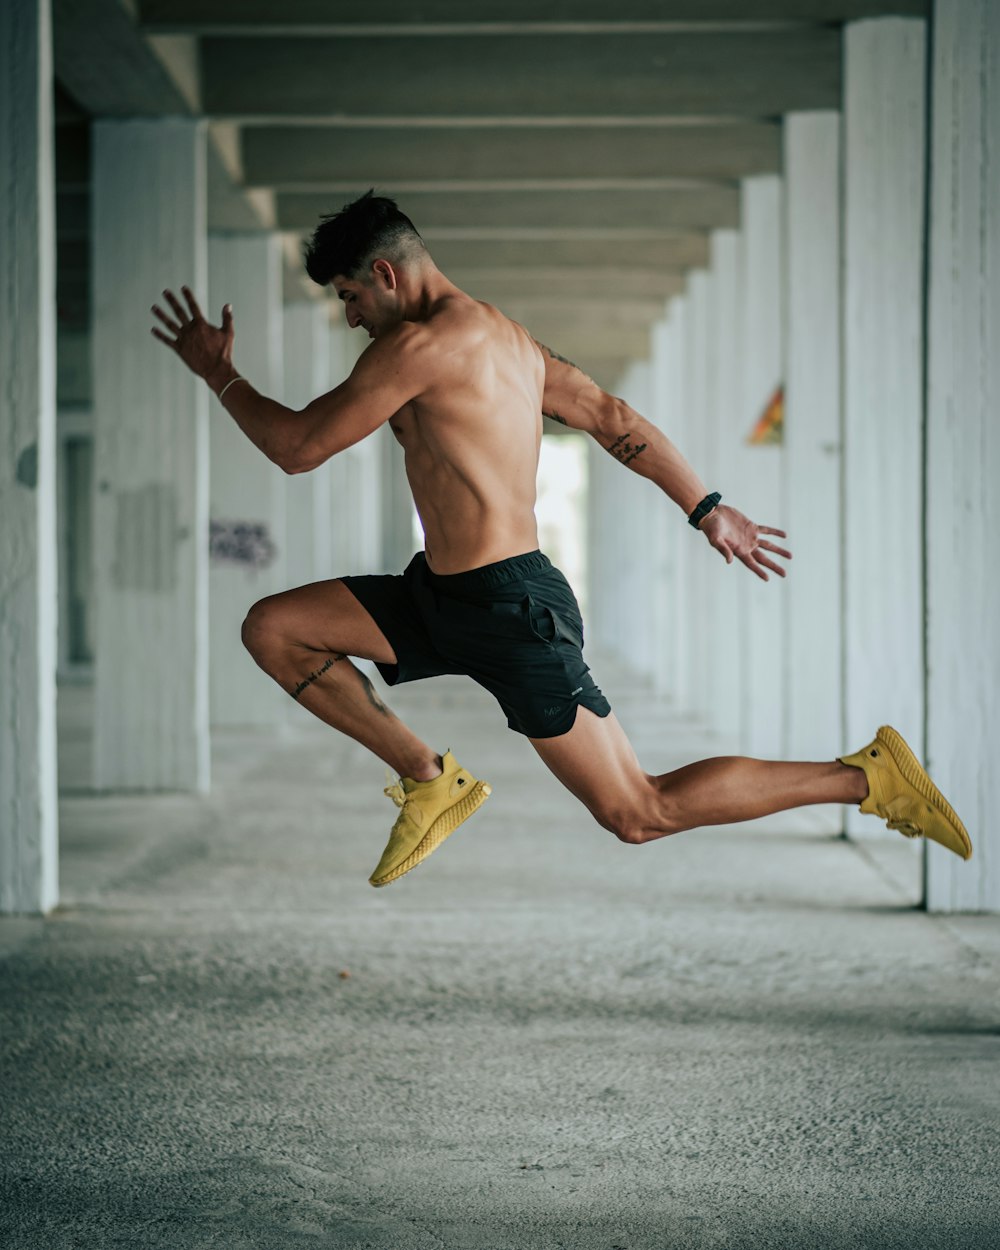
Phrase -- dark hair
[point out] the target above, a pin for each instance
(364, 230)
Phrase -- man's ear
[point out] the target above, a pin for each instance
(385, 275)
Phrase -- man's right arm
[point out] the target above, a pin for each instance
(575, 400)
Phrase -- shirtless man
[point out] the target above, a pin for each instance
(464, 390)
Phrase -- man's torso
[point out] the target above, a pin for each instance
(471, 439)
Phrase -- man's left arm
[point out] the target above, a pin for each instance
(574, 399)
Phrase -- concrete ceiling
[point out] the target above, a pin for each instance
(566, 161)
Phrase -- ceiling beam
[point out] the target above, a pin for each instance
(699, 208)
(296, 158)
(263, 17)
(754, 74)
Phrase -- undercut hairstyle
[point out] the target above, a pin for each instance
(370, 228)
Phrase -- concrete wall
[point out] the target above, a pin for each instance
(812, 481)
(720, 469)
(246, 488)
(306, 375)
(150, 500)
(760, 483)
(963, 447)
(28, 813)
(884, 107)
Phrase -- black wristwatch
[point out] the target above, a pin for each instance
(704, 508)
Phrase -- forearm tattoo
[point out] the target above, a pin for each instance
(308, 681)
(373, 698)
(554, 416)
(623, 450)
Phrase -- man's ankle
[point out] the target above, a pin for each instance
(428, 769)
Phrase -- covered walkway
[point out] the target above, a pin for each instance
(738, 1037)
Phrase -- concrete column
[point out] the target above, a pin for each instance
(813, 649)
(357, 478)
(884, 102)
(306, 327)
(759, 491)
(695, 448)
(963, 447)
(150, 463)
(248, 492)
(641, 522)
(29, 851)
(397, 505)
(683, 625)
(721, 472)
(664, 527)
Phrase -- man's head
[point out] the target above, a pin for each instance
(365, 250)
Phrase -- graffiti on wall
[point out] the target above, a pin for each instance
(245, 543)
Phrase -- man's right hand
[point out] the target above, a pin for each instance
(736, 536)
(207, 350)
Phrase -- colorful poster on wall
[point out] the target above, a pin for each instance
(770, 427)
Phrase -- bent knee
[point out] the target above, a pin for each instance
(651, 816)
(262, 625)
(628, 827)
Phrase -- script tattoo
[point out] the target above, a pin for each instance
(308, 681)
(623, 451)
(554, 416)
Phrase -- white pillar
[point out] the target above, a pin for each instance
(357, 478)
(884, 101)
(640, 521)
(963, 447)
(665, 520)
(306, 328)
(759, 492)
(397, 505)
(683, 623)
(248, 492)
(813, 650)
(695, 449)
(151, 463)
(28, 816)
(721, 471)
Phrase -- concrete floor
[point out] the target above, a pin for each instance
(541, 1038)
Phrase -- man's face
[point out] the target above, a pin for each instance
(372, 303)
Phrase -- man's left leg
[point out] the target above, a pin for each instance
(638, 807)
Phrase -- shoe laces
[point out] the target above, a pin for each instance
(395, 791)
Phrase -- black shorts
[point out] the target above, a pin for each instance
(514, 627)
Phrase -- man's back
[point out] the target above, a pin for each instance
(471, 436)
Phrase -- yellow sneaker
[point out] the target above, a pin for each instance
(431, 810)
(900, 791)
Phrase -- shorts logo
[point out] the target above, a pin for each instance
(551, 711)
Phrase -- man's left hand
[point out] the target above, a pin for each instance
(736, 536)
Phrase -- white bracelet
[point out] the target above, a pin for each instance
(238, 378)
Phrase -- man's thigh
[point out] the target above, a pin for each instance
(325, 616)
(596, 762)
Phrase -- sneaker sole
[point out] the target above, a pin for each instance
(916, 776)
(445, 824)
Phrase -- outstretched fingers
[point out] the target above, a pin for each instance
(172, 326)
(163, 338)
(180, 312)
(192, 303)
(778, 551)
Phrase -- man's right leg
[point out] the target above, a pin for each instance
(303, 638)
